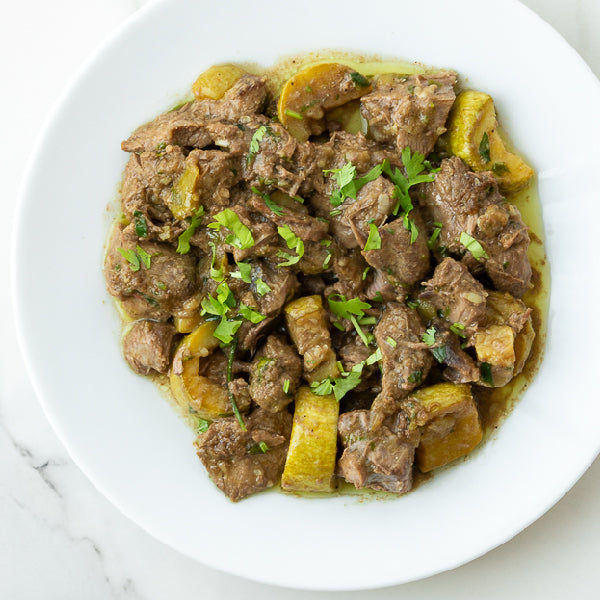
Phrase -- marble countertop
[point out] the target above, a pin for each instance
(59, 538)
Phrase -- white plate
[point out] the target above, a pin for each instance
(123, 434)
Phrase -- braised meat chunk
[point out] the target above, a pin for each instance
(244, 462)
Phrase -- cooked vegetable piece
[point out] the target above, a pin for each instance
(313, 445)
(473, 135)
(204, 397)
(307, 325)
(214, 82)
(452, 428)
(306, 96)
(185, 200)
(186, 324)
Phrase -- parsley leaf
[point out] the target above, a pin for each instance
(202, 425)
(473, 246)
(240, 236)
(278, 210)
(484, 147)
(144, 256)
(250, 314)
(244, 273)
(257, 137)
(350, 309)
(262, 288)
(359, 79)
(429, 336)
(347, 185)
(141, 227)
(374, 239)
(226, 330)
(131, 257)
(485, 369)
(293, 243)
(183, 241)
(215, 274)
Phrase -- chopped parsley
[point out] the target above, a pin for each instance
(286, 386)
(141, 227)
(429, 336)
(374, 239)
(202, 425)
(485, 369)
(278, 210)
(293, 243)
(437, 228)
(484, 147)
(391, 341)
(293, 114)
(347, 184)
(262, 288)
(240, 236)
(226, 329)
(183, 241)
(350, 309)
(215, 274)
(244, 273)
(144, 256)
(250, 314)
(131, 257)
(458, 329)
(257, 137)
(359, 80)
(473, 246)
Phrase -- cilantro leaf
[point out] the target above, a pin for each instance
(344, 308)
(278, 210)
(429, 336)
(241, 236)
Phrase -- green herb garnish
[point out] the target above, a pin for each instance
(484, 147)
(473, 246)
(183, 241)
(141, 227)
(293, 243)
(240, 236)
(374, 239)
(257, 137)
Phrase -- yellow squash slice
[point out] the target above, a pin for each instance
(214, 82)
(313, 444)
(306, 96)
(452, 428)
(473, 135)
(185, 199)
(192, 390)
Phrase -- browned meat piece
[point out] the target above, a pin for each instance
(405, 358)
(234, 458)
(274, 364)
(147, 186)
(457, 295)
(374, 203)
(155, 292)
(191, 125)
(467, 202)
(282, 284)
(217, 175)
(382, 459)
(402, 263)
(349, 268)
(147, 345)
(460, 367)
(279, 160)
(297, 218)
(409, 111)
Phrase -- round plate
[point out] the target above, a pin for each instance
(122, 432)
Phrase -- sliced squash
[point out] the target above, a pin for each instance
(452, 428)
(310, 461)
(214, 82)
(193, 391)
(473, 135)
(306, 96)
(185, 199)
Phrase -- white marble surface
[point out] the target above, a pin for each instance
(59, 538)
